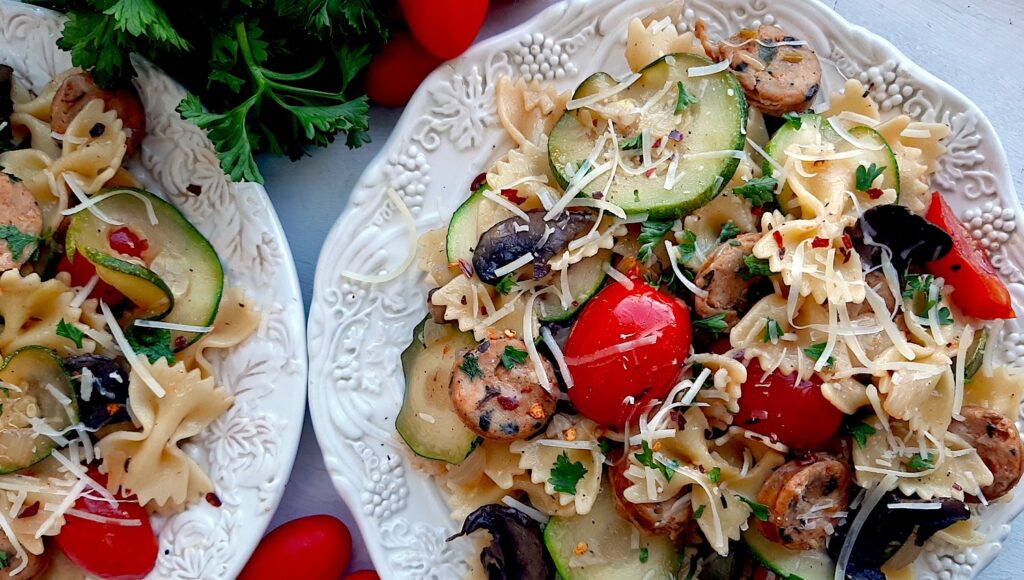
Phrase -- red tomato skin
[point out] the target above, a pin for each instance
(397, 71)
(977, 289)
(127, 242)
(81, 271)
(647, 372)
(363, 575)
(796, 414)
(313, 547)
(445, 27)
(110, 551)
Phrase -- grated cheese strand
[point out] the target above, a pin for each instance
(129, 354)
(410, 226)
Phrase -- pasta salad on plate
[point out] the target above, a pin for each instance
(708, 320)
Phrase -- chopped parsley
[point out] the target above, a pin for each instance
(471, 367)
(152, 343)
(17, 240)
(760, 510)
(652, 232)
(5, 560)
(70, 332)
(566, 474)
(945, 316)
(772, 330)
(604, 445)
(760, 190)
(646, 458)
(512, 356)
(684, 99)
(860, 432)
(816, 350)
(715, 475)
(919, 291)
(644, 555)
(714, 324)
(867, 175)
(506, 284)
(688, 246)
(755, 267)
(919, 463)
(794, 120)
(699, 512)
(729, 231)
(637, 142)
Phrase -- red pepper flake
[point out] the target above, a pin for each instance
(508, 403)
(598, 195)
(777, 236)
(650, 172)
(875, 193)
(212, 499)
(845, 253)
(819, 242)
(180, 342)
(513, 196)
(113, 409)
(958, 487)
(29, 511)
(466, 267)
(657, 142)
(478, 182)
(847, 242)
(757, 212)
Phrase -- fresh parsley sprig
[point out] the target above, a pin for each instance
(651, 233)
(566, 474)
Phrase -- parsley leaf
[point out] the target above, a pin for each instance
(684, 99)
(760, 190)
(646, 457)
(152, 343)
(471, 367)
(755, 267)
(760, 510)
(644, 555)
(715, 475)
(688, 246)
(793, 119)
(70, 332)
(17, 240)
(917, 284)
(652, 232)
(697, 513)
(729, 231)
(945, 316)
(605, 445)
(867, 175)
(772, 331)
(506, 284)
(919, 463)
(636, 142)
(860, 432)
(816, 350)
(5, 558)
(714, 324)
(512, 356)
(565, 474)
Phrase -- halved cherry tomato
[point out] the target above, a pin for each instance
(794, 413)
(445, 27)
(81, 272)
(397, 71)
(309, 547)
(108, 550)
(659, 327)
(977, 289)
(363, 575)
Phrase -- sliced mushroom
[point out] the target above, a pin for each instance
(108, 398)
(511, 239)
(516, 551)
(35, 566)
(78, 90)
(909, 237)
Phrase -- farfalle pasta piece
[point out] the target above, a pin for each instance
(528, 171)
(917, 156)
(528, 110)
(150, 463)
(432, 257)
(921, 394)
(237, 320)
(31, 309)
(854, 98)
(31, 115)
(32, 167)
(602, 238)
(650, 39)
(89, 158)
(538, 459)
(726, 382)
(707, 222)
(1000, 392)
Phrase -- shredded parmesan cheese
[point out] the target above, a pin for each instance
(129, 354)
(410, 226)
(172, 326)
(514, 264)
(702, 71)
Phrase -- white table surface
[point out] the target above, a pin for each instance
(974, 44)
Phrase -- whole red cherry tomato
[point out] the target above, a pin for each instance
(309, 547)
(977, 289)
(445, 27)
(657, 325)
(107, 550)
(398, 70)
(82, 271)
(363, 575)
(794, 413)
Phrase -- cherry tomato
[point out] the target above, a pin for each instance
(445, 27)
(309, 547)
(398, 70)
(125, 241)
(363, 575)
(977, 289)
(794, 413)
(109, 550)
(604, 378)
(82, 271)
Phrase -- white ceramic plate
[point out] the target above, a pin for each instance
(249, 451)
(449, 133)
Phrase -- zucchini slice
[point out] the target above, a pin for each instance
(789, 564)
(427, 421)
(179, 278)
(608, 539)
(463, 231)
(585, 279)
(714, 123)
(33, 381)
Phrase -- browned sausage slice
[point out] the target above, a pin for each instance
(998, 443)
(721, 275)
(34, 568)
(803, 497)
(498, 402)
(777, 79)
(670, 517)
(78, 90)
(18, 210)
